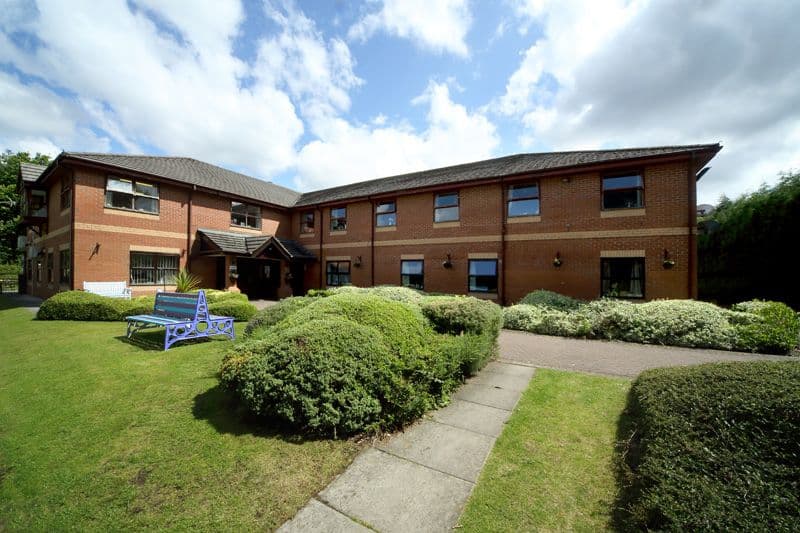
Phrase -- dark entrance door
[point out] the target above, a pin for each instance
(297, 271)
(259, 279)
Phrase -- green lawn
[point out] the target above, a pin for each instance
(100, 434)
(553, 468)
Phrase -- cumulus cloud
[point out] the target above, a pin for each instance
(437, 25)
(626, 74)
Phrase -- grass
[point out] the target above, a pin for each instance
(100, 434)
(554, 467)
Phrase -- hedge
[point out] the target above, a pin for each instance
(269, 316)
(462, 314)
(715, 448)
(776, 328)
(552, 300)
(240, 311)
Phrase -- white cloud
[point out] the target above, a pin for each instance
(634, 74)
(438, 25)
(345, 153)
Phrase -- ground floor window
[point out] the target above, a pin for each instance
(338, 273)
(64, 266)
(39, 270)
(483, 275)
(623, 277)
(412, 274)
(153, 269)
(50, 259)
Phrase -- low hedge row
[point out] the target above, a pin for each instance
(357, 360)
(85, 306)
(715, 448)
(756, 326)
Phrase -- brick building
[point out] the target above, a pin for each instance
(586, 223)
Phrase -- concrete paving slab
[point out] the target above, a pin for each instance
(502, 381)
(316, 516)
(491, 396)
(391, 494)
(509, 369)
(473, 416)
(455, 451)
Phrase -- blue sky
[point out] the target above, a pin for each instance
(316, 94)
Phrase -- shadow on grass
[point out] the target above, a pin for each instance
(626, 461)
(154, 341)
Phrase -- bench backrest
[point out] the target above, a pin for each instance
(113, 289)
(178, 304)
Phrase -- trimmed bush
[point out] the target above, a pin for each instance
(240, 311)
(85, 306)
(770, 327)
(552, 300)
(715, 448)
(547, 321)
(463, 314)
(269, 316)
(215, 296)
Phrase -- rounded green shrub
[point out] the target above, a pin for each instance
(80, 305)
(240, 311)
(463, 314)
(269, 316)
(551, 300)
(329, 376)
(215, 296)
(399, 294)
(773, 328)
(546, 321)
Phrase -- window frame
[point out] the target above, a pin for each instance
(330, 275)
(66, 193)
(50, 267)
(456, 205)
(524, 185)
(379, 214)
(133, 194)
(470, 276)
(622, 174)
(421, 285)
(246, 215)
(305, 227)
(642, 277)
(64, 266)
(157, 279)
(341, 219)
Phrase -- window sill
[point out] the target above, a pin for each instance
(334, 233)
(307, 235)
(522, 220)
(256, 231)
(483, 295)
(130, 213)
(379, 229)
(449, 224)
(623, 212)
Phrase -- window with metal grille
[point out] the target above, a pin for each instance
(483, 275)
(130, 194)
(386, 214)
(622, 277)
(153, 269)
(246, 216)
(623, 192)
(523, 200)
(412, 274)
(307, 222)
(445, 207)
(338, 273)
(338, 218)
(64, 266)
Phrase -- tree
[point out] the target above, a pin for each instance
(10, 200)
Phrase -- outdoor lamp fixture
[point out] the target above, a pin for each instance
(233, 272)
(448, 262)
(357, 262)
(668, 263)
(95, 250)
(557, 261)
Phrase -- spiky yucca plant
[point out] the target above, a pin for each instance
(186, 282)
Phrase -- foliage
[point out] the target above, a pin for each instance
(84, 306)
(775, 329)
(186, 281)
(10, 271)
(462, 314)
(391, 292)
(551, 300)
(215, 296)
(240, 311)
(10, 200)
(715, 448)
(547, 321)
(269, 316)
(743, 246)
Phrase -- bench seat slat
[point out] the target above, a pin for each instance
(156, 319)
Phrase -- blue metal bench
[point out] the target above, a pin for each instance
(183, 316)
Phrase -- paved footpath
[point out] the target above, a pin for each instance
(420, 479)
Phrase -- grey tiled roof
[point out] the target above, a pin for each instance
(194, 172)
(491, 168)
(236, 243)
(31, 172)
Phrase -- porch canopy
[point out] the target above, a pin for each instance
(215, 242)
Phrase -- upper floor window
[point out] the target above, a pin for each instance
(412, 274)
(386, 214)
(66, 193)
(153, 269)
(307, 222)
(246, 216)
(483, 275)
(445, 207)
(523, 200)
(131, 194)
(622, 277)
(623, 192)
(338, 273)
(338, 218)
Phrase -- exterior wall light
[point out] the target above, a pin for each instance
(557, 262)
(233, 271)
(668, 263)
(448, 262)
(357, 262)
